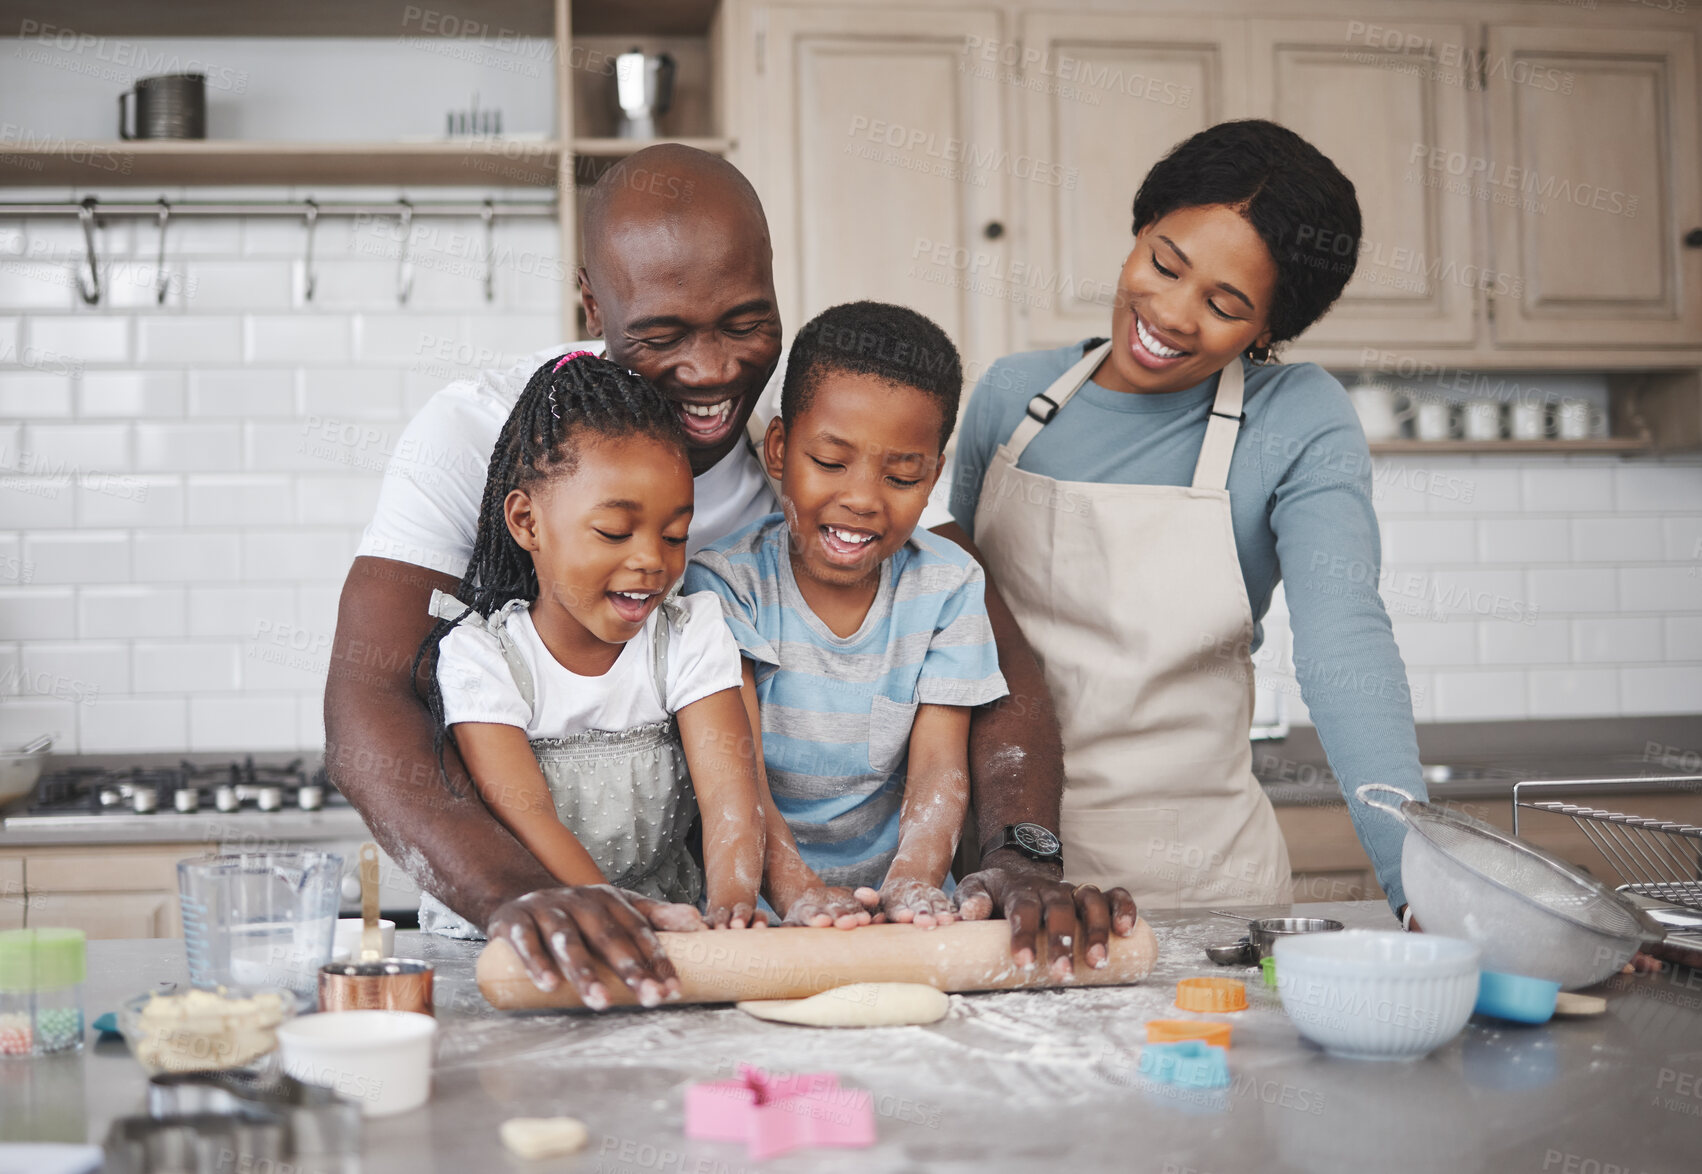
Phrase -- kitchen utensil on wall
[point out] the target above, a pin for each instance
(1381, 410)
(644, 89)
(20, 768)
(1527, 420)
(260, 919)
(1531, 913)
(1433, 419)
(1480, 419)
(1578, 419)
(170, 106)
(734, 964)
(371, 981)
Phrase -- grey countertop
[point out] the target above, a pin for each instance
(1018, 1081)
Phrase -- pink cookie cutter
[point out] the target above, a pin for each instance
(776, 1114)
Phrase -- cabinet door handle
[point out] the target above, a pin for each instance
(1693, 239)
(994, 230)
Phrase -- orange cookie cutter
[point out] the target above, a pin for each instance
(1211, 994)
(1166, 1031)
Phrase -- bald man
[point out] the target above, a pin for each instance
(678, 283)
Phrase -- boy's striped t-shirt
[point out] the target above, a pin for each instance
(837, 710)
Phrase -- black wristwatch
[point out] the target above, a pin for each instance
(1031, 839)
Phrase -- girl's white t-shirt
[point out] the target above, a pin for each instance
(477, 685)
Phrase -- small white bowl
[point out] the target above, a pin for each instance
(1377, 996)
(345, 947)
(380, 1059)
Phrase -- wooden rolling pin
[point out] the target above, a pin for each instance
(726, 965)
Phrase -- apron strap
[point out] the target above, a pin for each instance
(1050, 402)
(448, 607)
(672, 612)
(1211, 471)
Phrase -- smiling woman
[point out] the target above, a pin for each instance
(1172, 474)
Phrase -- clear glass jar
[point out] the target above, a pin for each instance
(41, 991)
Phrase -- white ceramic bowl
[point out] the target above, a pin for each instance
(1373, 995)
(345, 946)
(379, 1059)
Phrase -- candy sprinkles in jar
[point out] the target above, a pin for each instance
(41, 991)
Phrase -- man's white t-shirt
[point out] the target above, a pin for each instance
(478, 686)
(428, 506)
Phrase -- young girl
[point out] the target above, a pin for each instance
(574, 680)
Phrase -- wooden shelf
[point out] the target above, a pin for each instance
(469, 163)
(612, 148)
(298, 18)
(1597, 445)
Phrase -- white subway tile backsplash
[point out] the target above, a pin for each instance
(188, 448)
(514, 336)
(37, 503)
(134, 724)
(1646, 486)
(1574, 692)
(54, 449)
(310, 722)
(143, 394)
(241, 285)
(1573, 590)
(1429, 645)
(1510, 644)
(1524, 540)
(1683, 638)
(84, 670)
(37, 285)
(129, 500)
(1429, 541)
(178, 556)
(243, 393)
(78, 556)
(1567, 488)
(198, 339)
(1684, 540)
(87, 340)
(1616, 640)
(23, 719)
(364, 394)
(243, 499)
(43, 395)
(243, 723)
(36, 613)
(337, 501)
(1660, 589)
(186, 667)
(1479, 696)
(390, 338)
(278, 447)
(292, 556)
(1617, 540)
(248, 612)
(1653, 689)
(310, 340)
(129, 612)
(1485, 486)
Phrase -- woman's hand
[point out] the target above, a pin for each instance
(914, 901)
(822, 905)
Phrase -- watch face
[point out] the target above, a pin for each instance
(1035, 840)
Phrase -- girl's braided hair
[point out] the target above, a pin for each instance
(565, 399)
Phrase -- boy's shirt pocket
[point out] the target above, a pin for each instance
(890, 723)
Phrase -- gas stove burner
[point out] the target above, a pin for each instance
(187, 800)
(236, 787)
(310, 797)
(144, 800)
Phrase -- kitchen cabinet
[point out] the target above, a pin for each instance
(882, 163)
(1325, 854)
(1595, 182)
(109, 892)
(1104, 98)
(1379, 109)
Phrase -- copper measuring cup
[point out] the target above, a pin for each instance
(373, 983)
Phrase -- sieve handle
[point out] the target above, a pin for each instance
(1359, 793)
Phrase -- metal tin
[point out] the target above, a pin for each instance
(389, 984)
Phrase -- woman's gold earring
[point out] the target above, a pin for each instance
(1259, 354)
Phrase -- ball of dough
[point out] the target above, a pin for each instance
(544, 1137)
(860, 1004)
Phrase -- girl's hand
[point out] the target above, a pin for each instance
(831, 905)
(736, 915)
(914, 901)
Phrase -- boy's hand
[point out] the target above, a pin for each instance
(821, 906)
(915, 901)
(737, 914)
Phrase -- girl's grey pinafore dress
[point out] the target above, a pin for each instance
(626, 794)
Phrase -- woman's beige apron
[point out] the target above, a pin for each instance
(1133, 600)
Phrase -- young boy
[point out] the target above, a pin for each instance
(865, 642)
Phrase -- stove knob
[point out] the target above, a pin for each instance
(187, 800)
(270, 798)
(110, 797)
(224, 798)
(145, 800)
(310, 797)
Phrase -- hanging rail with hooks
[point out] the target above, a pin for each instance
(90, 211)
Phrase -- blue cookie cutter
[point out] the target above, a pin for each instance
(1190, 1063)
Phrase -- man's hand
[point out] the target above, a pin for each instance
(557, 933)
(1043, 910)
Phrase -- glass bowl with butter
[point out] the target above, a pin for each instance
(197, 1030)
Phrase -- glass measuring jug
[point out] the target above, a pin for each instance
(260, 919)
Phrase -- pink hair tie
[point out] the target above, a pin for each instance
(571, 355)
